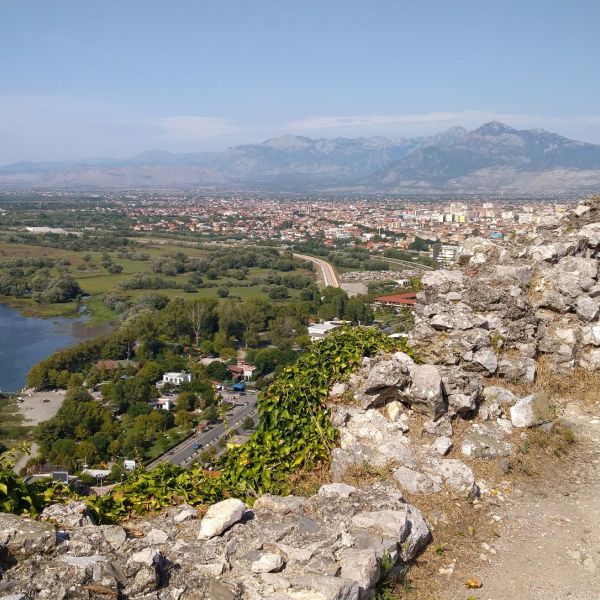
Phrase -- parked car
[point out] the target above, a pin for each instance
(197, 446)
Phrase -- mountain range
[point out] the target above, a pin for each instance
(491, 159)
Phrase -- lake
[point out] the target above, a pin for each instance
(25, 341)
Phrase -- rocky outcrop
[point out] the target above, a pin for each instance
(328, 546)
(516, 301)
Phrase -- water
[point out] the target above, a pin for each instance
(25, 341)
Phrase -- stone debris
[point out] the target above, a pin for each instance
(330, 546)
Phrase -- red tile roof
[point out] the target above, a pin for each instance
(410, 298)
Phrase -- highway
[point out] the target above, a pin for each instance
(183, 453)
(327, 271)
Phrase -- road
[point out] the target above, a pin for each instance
(327, 271)
(183, 453)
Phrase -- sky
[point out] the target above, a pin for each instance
(113, 78)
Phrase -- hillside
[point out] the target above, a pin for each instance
(491, 159)
(478, 436)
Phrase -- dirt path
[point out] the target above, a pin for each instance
(548, 536)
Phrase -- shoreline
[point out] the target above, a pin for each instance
(35, 338)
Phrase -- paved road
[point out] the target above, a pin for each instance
(183, 453)
(329, 276)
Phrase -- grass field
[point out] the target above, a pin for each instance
(95, 280)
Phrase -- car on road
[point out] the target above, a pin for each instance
(197, 446)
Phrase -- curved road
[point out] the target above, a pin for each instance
(329, 276)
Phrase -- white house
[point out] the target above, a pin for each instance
(164, 403)
(248, 371)
(177, 378)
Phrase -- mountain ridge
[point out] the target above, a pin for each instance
(492, 158)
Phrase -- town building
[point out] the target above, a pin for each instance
(395, 302)
(176, 377)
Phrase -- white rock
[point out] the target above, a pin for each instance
(487, 359)
(318, 587)
(414, 482)
(394, 409)
(342, 490)
(390, 523)
(442, 445)
(146, 556)
(267, 563)
(185, 515)
(587, 308)
(220, 517)
(456, 475)
(157, 536)
(211, 569)
(530, 411)
(83, 561)
(337, 389)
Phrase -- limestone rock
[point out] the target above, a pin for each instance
(22, 537)
(442, 445)
(343, 490)
(414, 482)
(267, 563)
(361, 566)
(282, 505)
(531, 410)
(480, 445)
(455, 474)
(587, 308)
(392, 523)
(221, 516)
(425, 394)
(323, 588)
(72, 514)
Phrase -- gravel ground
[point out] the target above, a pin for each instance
(35, 409)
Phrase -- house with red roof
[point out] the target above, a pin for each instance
(395, 302)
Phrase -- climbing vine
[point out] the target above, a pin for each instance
(294, 432)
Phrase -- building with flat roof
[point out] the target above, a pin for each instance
(319, 330)
(177, 377)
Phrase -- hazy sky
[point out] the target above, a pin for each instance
(115, 77)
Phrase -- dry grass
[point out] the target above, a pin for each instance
(367, 474)
(307, 482)
(458, 528)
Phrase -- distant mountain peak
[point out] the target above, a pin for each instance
(494, 128)
(288, 141)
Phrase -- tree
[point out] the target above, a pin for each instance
(248, 423)
(283, 332)
(186, 401)
(87, 452)
(279, 292)
(198, 314)
(218, 371)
